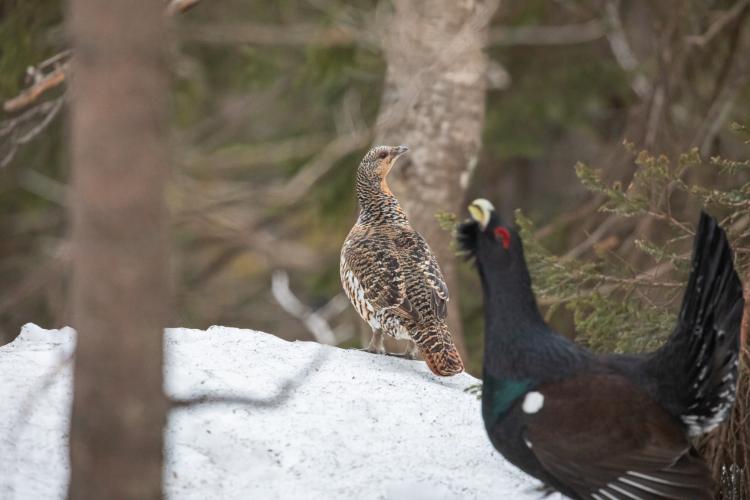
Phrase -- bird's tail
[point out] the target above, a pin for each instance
(699, 361)
(436, 345)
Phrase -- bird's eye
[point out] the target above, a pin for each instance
(504, 235)
(383, 155)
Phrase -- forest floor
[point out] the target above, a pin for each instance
(325, 423)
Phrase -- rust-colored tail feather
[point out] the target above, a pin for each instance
(439, 352)
(445, 363)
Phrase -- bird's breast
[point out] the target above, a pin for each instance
(356, 293)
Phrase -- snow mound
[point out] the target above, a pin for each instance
(329, 423)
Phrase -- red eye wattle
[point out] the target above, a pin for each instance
(505, 235)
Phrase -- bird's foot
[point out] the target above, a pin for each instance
(376, 345)
(412, 352)
(402, 355)
(408, 354)
(372, 349)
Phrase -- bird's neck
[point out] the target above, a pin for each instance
(512, 318)
(377, 203)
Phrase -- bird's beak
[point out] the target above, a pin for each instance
(481, 211)
(398, 151)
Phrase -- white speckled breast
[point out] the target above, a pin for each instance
(356, 295)
(383, 319)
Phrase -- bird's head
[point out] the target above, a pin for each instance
(497, 249)
(379, 160)
(485, 235)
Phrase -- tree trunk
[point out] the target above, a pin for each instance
(433, 101)
(120, 288)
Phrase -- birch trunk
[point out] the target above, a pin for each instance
(434, 102)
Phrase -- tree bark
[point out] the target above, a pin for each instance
(120, 290)
(434, 102)
(745, 325)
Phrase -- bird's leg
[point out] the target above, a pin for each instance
(376, 345)
(412, 351)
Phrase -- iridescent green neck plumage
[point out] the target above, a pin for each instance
(498, 395)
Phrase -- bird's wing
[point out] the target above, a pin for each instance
(605, 438)
(435, 279)
(370, 261)
(413, 249)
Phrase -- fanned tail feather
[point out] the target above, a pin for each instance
(700, 358)
(445, 363)
(436, 345)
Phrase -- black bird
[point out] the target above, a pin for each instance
(605, 426)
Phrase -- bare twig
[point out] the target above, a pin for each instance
(745, 326)
(256, 155)
(593, 238)
(671, 220)
(19, 136)
(176, 6)
(322, 163)
(39, 87)
(722, 105)
(547, 35)
(624, 55)
(316, 321)
(54, 61)
(250, 234)
(641, 281)
(721, 22)
(655, 114)
(579, 213)
(44, 187)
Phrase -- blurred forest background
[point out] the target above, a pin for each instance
(275, 102)
(601, 126)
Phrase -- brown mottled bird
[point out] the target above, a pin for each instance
(390, 274)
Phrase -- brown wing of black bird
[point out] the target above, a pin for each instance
(627, 446)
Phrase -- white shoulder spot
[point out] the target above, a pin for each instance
(533, 402)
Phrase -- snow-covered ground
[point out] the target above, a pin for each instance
(357, 425)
